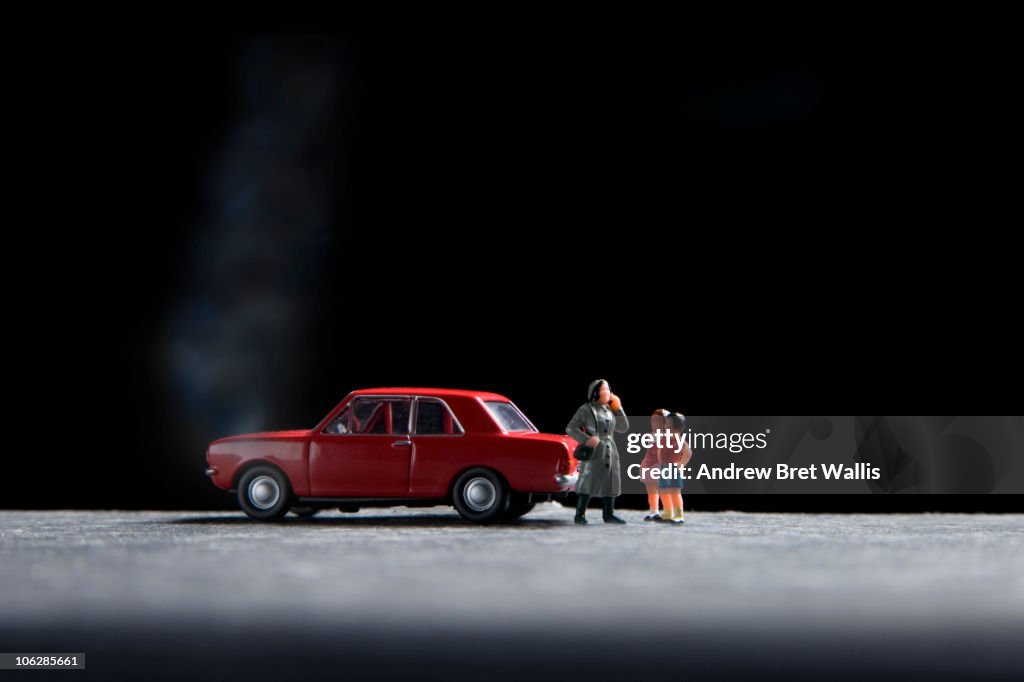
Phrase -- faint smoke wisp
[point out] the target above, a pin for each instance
(237, 340)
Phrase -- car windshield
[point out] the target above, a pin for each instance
(509, 417)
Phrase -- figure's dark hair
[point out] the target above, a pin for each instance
(676, 421)
(596, 393)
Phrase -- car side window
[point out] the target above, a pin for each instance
(400, 412)
(341, 423)
(434, 418)
(383, 416)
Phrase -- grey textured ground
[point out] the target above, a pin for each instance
(385, 593)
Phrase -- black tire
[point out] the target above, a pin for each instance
(305, 512)
(480, 496)
(518, 507)
(264, 493)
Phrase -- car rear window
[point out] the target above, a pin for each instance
(508, 416)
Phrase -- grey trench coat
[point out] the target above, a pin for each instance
(599, 476)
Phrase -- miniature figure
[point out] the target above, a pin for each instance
(593, 426)
(650, 461)
(670, 489)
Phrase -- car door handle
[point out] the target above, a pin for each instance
(401, 443)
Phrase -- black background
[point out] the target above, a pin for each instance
(753, 212)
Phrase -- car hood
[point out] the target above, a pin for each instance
(266, 435)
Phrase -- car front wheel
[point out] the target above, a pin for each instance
(264, 493)
(480, 496)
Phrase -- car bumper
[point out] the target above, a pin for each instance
(566, 480)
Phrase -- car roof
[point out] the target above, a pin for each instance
(432, 392)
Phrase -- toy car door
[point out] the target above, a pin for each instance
(437, 446)
(365, 451)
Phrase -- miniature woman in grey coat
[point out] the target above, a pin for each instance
(593, 425)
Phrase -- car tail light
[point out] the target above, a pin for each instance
(566, 463)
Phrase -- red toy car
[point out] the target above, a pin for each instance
(400, 446)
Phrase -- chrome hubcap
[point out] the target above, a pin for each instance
(264, 492)
(480, 494)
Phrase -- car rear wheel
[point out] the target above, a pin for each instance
(480, 496)
(264, 493)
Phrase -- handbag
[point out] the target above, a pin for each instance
(582, 453)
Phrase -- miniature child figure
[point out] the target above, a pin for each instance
(593, 425)
(651, 461)
(671, 489)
